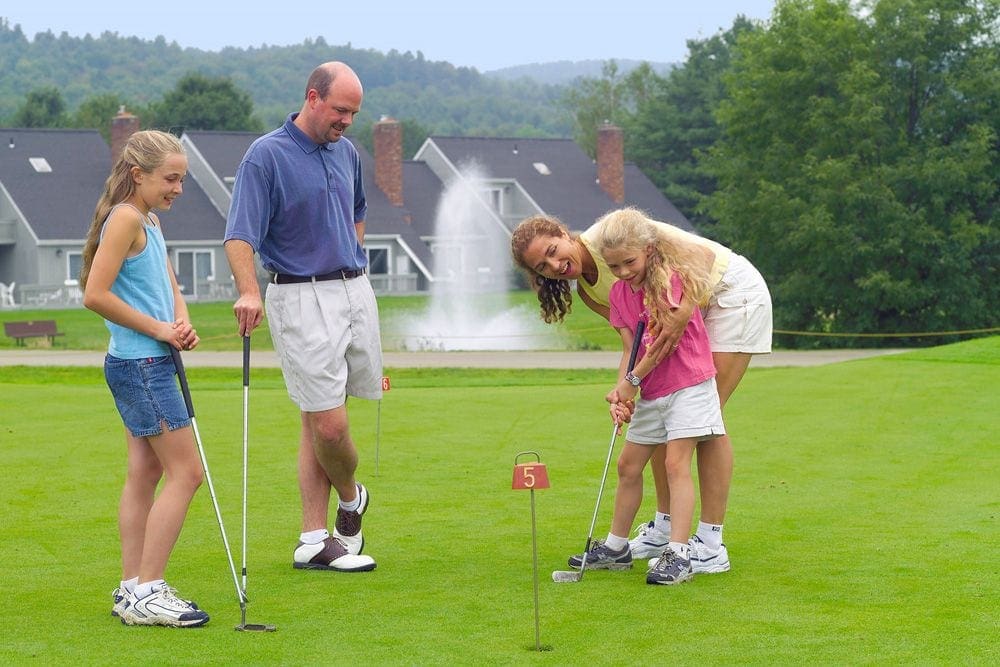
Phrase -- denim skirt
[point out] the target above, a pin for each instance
(146, 394)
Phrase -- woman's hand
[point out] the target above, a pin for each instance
(667, 332)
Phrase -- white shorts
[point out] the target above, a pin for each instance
(692, 412)
(738, 316)
(326, 335)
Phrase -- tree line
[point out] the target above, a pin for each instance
(437, 97)
(849, 149)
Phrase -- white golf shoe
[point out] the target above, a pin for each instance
(330, 554)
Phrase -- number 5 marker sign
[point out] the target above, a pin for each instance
(532, 475)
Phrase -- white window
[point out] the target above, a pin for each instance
(379, 259)
(493, 197)
(74, 262)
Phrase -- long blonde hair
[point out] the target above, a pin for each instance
(147, 150)
(630, 229)
(554, 295)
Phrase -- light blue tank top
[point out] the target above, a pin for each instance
(143, 283)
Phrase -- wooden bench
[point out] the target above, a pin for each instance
(33, 329)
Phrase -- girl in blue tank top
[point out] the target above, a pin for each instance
(127, 279)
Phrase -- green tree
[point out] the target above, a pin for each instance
(674, 123)
(43, 107)
(202, 103)
(858, 165)
(613, 98)
(97, 112)
(443, 98)
(414, 135)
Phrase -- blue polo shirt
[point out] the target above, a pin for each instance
(295, 202)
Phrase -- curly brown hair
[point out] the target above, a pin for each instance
(554, 295)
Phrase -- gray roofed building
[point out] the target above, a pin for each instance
(552, 176)
(46, 204)
(46, 174)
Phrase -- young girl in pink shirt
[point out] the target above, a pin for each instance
(679, 402)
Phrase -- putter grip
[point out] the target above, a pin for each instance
(182, 378)
(640, 328)
(246, 360)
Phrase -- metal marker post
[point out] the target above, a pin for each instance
(386, 386)
(532, 476)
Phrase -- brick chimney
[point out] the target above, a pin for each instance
(387, 135)
(611, 161)
(123, 126)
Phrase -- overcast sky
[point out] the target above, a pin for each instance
(475, 33)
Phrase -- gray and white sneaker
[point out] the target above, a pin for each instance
(670, 568)
(348, 524)
(120, 597)
(162, 607)
(648, 541)
(705, 560)
(121, 600)
(602, 557)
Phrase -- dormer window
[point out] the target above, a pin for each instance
(493, 197)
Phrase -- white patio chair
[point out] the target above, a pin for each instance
(7, 295)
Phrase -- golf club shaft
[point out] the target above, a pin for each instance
(185, 390)
(246, 423)
(640, 327)
(600, 493)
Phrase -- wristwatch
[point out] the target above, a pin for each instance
(632, 379)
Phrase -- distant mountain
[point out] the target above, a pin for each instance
(438, 96)
(564, 72)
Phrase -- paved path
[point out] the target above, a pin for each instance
(48, 357)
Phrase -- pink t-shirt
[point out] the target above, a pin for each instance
(690, 364)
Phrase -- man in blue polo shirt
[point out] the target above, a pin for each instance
(300, 204)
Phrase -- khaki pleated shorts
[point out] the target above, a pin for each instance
(326, 335)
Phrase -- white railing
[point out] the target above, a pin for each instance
(400, 283)
(67, 295)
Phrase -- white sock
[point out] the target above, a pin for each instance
(682, 549)
(130, 584)
(314, 536)
(148, 588)
(352, 505)
(710, 534)
(662, 522)
(616, 543)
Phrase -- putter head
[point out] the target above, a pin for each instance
(564, 576)
(255, 627)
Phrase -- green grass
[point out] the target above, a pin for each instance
(84, 330)
(862, 527)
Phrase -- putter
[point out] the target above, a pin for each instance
(182, 378)
(572, 576)
(244, 626)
